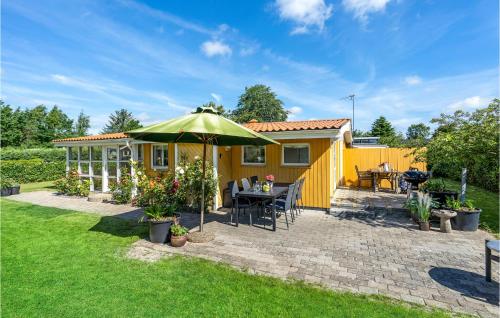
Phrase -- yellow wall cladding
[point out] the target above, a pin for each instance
(317, 183)
(400, 159)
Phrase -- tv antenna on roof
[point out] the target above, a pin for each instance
(351, 98)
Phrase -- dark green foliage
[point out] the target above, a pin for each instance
(466, 140)
(46, 154)
(120, 121)
(418, 131)
(33, 170)
(381, 127)
(82, 124)
(38, 126)
(218, 108)
(260, 103)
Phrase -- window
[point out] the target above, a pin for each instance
(295, 154)
(159, 156)
(253, 155)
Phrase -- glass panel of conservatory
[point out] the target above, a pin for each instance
(112, 169)
(96, 153)
(73, 153)
(125, 153)
(97, 184)
(85, 168)
(124, 167)
(112, 155)
(84, 153)
(97, 168)
(140, 152)
(73, 165)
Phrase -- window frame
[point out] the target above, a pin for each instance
(153, 166)
(243, 163)
(308, 145)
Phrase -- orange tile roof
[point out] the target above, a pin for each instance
(94, 137)
(296, 125)
(255, 126)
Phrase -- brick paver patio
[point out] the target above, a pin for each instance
(376, 251)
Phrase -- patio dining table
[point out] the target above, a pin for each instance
(377, 174)
(273, 194)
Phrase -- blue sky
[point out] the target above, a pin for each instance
(408, 60)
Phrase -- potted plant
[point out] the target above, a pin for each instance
(437, 190)
(15, 188)
(411, 205)
(467, 218)
(6, 187)
(160, 218)
(424, 204)
(178, 238)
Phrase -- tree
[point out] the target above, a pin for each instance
(35, 129)
(360, 133)
(418, 131)
(260, 103)
(466, 140)
(219, 108)
(82, 124)
(58, 124)
(10, 126)
(120, 121)
(381, 127)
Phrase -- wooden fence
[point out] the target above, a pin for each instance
(400, 159)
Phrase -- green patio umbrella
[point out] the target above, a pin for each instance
(204, 126)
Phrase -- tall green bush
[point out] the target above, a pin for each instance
(46, 154)
(466, 140)
(32, 170)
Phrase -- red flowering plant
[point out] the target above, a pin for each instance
(270, 178)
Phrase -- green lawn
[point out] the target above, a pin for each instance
(59, 263)
(486, 200)
(37, 186)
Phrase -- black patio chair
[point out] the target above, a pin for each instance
(285, 206)
(243, 203)
(363, 175)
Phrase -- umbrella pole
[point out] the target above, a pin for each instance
(203, 186)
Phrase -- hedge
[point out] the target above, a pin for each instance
(33, 170)
(46, 154)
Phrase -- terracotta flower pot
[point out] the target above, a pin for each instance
(424, 226)
(178, 241)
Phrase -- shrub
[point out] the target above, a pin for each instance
(156, 190)
(32, 170)
(190, 182)
(73, 185)
(121, 191)
(178, 230)
(46, 154)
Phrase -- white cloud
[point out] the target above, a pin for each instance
(295, 110)
(217, 97)
(413, 80)
(143, 117)
(305, 14)
(215, 47)
(469, 103)
(361, 8)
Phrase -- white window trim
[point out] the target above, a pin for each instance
(243, 163)
(295, 164)
(153, 166)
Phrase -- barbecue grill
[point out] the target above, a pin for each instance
(415, 177)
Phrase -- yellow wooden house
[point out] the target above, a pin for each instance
(313, 149)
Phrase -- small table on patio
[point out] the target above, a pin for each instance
(273, 195)
(376, 174)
